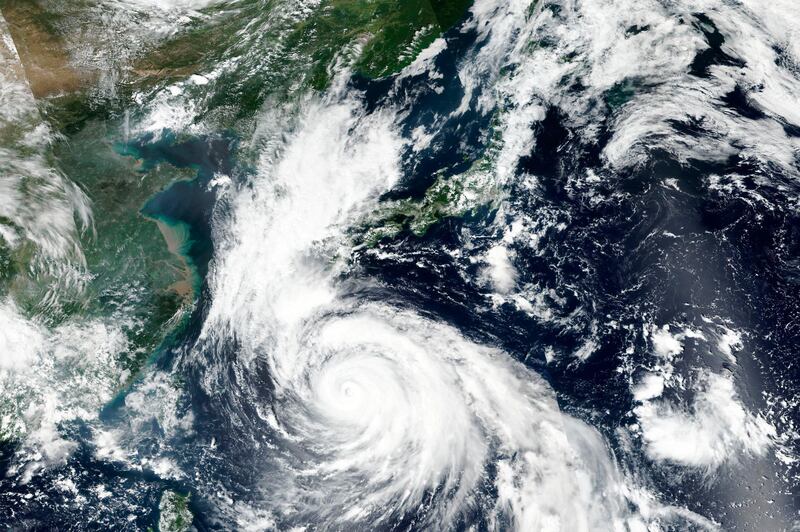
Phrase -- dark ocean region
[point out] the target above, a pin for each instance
(579, 279)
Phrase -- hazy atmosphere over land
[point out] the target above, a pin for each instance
(400, 265)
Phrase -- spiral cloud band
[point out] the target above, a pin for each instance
(383, 415)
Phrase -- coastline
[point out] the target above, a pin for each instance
(176, 236)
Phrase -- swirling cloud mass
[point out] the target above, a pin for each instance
(532, 266)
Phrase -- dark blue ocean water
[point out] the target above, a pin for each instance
(642, 253)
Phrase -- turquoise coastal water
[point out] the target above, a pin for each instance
(185, 206)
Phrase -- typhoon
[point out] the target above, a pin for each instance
(399, 265)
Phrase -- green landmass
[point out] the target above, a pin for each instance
(174, 513)
(135, 277)
(452, 196)
(290, 53)
(252, 51)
